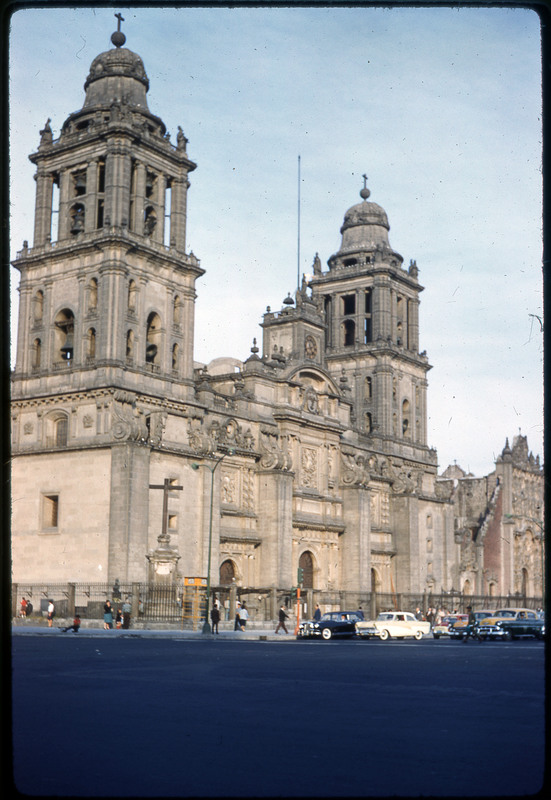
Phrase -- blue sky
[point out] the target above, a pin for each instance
(440, 107)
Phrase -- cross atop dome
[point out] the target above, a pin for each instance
(118, 38)
(364, 193)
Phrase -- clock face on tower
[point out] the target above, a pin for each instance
(310, 347)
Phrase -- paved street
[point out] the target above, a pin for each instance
(163, 716)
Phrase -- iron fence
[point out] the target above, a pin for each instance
(186, 605)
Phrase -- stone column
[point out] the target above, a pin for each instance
(138, 198)
(43, 207)
(91, 204)
(413, 324)
(64, 204)
(129, 512)
(24, 336)
(178, 213)
(355, 552)
(381, 309)
(275, 522)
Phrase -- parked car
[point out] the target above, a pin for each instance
(393, 624)
(443, 627)
(508, 622)
(457, 630)
(334, 623)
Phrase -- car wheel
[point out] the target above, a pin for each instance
(539, 635)
(384, 636)
(326, 633)
(418, 635)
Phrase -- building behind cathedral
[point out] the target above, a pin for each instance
(315, 446)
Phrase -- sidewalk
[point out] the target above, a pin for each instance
(94, 628)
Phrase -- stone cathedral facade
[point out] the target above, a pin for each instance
(315, 446)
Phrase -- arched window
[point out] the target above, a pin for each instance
(175, 357)
(130, 345)
(349, 333)
(406, 428)
(64, 333)
(132, 296)
(368, 422)
(368, 388)
(93, 294)
(524, 582)
(91, 343)
(36, 355)
(61, 428)
(177, 310)
(153, 339)
(306, 563)
(227, 573)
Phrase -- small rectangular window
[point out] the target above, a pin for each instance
(50, 510)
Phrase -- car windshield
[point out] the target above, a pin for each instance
(505, 613)
(385, 616)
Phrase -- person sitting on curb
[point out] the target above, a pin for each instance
(74, 627)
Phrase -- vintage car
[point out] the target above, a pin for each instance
(506, 623)
(334, 623)
(457, 630)
(442, 628)
(393, 624)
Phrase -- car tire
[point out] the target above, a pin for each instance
(326, 633)
(384, 635)
(418, 635)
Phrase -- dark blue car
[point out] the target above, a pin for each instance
(334, 623)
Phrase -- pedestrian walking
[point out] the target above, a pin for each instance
(237, 625)
(243, 616)
(126, 609)
(282, 616)
(430, 615)
(107, 615)
(74, 627)
(23, 608)
(317, 613)
(471, 625)
(51, 613)
(215, 618)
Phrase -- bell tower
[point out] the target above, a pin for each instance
(107, 290)
(372, 327)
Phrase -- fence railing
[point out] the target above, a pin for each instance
(186, 605)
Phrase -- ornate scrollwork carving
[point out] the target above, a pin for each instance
(275, 451)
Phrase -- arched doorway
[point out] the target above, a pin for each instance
(306, 563)
(227, 573)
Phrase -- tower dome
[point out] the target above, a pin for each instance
(117, 75)
(365, 229)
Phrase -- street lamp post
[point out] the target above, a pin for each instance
(206, 625)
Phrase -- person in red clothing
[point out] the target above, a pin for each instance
(74, 627)
(23, 611)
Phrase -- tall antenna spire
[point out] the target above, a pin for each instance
(298, 228)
